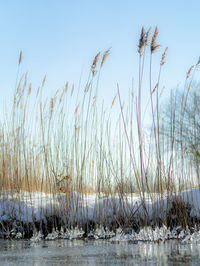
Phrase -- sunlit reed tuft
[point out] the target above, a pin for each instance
(154, 45)
(163, 59)
(94, 64)
(141, 42)
(20, 58)
(105, 55)
(43, 82)
(146, 41)
(114, 100)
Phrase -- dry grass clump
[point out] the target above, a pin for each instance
(179, 213)
(70, 143)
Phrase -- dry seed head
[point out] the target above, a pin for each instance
(113, 101)
(141, 42)
(189, 86)
(77, 107)
(105, 55)
(25, 82)
(163, 60)
(154, 45)
(94, 101)
(18, 103)
(156, 86)
(19, 85)
(21, 101)
(43, 82)
(94, 64)
(14, 100)
(52, 104)
(72, 90)
(147, 36)
(54, 99)
(37, 93)
(66, 86)
(198, 62)
(20, 57)
(29, 89)
(61, 96)
(189, 72)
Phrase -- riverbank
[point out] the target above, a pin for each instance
(72, 216)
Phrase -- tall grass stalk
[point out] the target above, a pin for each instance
(70, 145)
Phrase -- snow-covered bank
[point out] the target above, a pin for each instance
(50, 216)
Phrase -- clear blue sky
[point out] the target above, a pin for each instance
(60, 38)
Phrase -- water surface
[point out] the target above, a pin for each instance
(97, 252)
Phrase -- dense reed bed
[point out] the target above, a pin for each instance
(70, 151)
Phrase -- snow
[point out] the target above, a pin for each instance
(23, 208)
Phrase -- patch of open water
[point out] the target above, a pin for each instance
(97, 252)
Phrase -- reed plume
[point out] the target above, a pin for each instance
(43, 82)
(77, 107)
(19, 86)
(72, 91)
(156, 86)
(21, 101)
(20, 58)
(94, 64)
(154, 45)
(61, 96)
(25, 81)
(29, 89)
(163, 59)
(141, 42)
(113, 101)
(66, 86)
(146, 40)
(52, 105)
(105, 55)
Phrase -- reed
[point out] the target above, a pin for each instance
(69, 145)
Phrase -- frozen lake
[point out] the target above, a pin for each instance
(97, 252)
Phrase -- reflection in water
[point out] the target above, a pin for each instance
(98, 252)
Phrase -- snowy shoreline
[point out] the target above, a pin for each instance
(50, 216)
